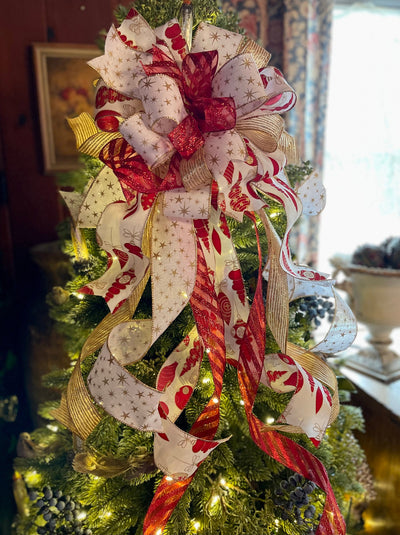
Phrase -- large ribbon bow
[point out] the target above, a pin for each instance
(191, 138)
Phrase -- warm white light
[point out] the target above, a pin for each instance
(168, 478)
(196, 525)
(241, 402)
(32, 477)
(215, 400)
(82, 515)
(206, 380)
(270, 420)
(53, 428)
(78, 296)
(159, 531)
(222, 481)
(215, 499)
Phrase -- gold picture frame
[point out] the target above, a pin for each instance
(65, 88)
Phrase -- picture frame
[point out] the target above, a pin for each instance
(65, 88)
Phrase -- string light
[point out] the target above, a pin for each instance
(222, 482)
(206, 380)
(196, 525)
(52, 427)
(215, 499)
(215, 400)
(168, 478)
(241, 402)
(269, 420)
(32, 477)
(159, 532)
(82, 515)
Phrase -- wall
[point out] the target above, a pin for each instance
(30, 207)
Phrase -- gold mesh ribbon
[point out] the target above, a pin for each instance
(264, 131)
(90, 139)
(194, 172)
(92, 462)
(277, 292)
(260, 55)
(287, 145)
(77, 411)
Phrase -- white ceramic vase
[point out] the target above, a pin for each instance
(374, 297)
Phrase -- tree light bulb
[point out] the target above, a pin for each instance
(196, 525)
(215, 400)
(168, 478)
(222, 481)
(215, 499)
(159, 531)
(269, 420)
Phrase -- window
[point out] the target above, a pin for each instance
(362, 147)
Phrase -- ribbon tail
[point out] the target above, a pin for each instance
(277, 293)
(204, 302)
(166, 498)
(300, 460)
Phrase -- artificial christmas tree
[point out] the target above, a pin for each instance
(195, 405)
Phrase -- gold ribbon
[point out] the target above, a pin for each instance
(287, 145)
(194, 172)
(277, 292)
(89, 138)
(264, 131)
(260, 55)
(94, 463)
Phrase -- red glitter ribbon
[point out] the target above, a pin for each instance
(133, 172)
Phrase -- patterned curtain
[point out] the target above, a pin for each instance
(297, 33)
(306, 51)
(253, 16)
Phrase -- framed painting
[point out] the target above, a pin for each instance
(65, 88)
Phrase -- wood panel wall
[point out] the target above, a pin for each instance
(30, 207)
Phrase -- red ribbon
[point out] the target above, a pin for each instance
(186, 137)
(212, 114)
(133, 172)
(279, 447)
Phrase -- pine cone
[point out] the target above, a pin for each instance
(369, 256)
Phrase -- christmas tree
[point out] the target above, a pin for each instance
(197, 400)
